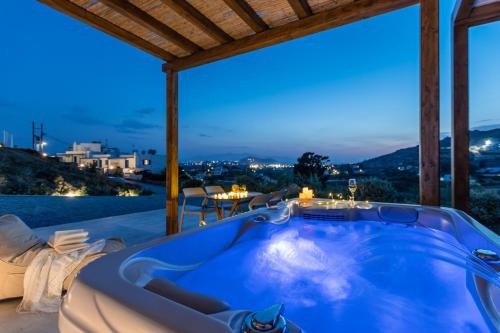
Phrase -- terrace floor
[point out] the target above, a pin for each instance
(133, 228)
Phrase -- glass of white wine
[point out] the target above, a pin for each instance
(353, 186)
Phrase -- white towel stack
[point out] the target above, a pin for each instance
(67, 241)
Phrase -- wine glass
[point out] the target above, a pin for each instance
(352, 187)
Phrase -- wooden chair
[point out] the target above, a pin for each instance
(216, 189)
(260, 201)
(277, 196)
(292, 190)
(200, 209)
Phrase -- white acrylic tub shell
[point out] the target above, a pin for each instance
(108, 295)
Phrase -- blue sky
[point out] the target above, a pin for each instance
(350, 93)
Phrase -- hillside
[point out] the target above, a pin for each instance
(24, 171)
(409, 156)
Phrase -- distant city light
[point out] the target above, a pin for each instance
(255, 166)
(45, 154)
(486, 146)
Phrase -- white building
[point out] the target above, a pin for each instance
(152, 162)
(95, 153)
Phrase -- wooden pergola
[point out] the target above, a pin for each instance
(189, 33)
(467, 14)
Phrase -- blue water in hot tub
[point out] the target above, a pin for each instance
(351, 277)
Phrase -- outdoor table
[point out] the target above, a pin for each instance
(236, 202)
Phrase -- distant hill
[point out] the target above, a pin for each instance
(24, 171)
(408, 157)
(478, 137)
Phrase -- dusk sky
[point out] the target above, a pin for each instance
(350, 93)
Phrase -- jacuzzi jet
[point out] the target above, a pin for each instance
(488, 256)
(270, 320)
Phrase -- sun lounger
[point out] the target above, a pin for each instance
(19, 245)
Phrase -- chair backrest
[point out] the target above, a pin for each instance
(194, 196)
(259, 201)
(292, 189)
(190, 192)
(278, 195)
(214, 189)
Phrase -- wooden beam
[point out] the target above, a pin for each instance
(429, 103)
(482, 15)
(301, 8)
(147, 21)
(322, 21)
(247, 14)
(191, 14)
(172, 168)
(77, 12)
(460, 118)
(463, 9)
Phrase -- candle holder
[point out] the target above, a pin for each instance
(306, 194)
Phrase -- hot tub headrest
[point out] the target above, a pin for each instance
(174, 292)
(398, 214)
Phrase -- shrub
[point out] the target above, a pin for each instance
(128, 192)
(376, 189)
(485, 207)
(251, 183)
(190, 183)
(62, 187)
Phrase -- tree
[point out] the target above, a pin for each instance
(311, 165)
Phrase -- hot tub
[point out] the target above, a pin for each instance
(379, 268)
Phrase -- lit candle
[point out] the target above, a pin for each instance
(306, 194)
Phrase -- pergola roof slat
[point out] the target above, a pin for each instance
(189, 33)
(335, 17)
(105, 26)
(135, 14)
(301, 8)
(188, 12)
(247, 14)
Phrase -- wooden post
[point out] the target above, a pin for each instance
(460, 119)
(172, 168)
(429, 102)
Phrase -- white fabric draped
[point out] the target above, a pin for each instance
(44, 277)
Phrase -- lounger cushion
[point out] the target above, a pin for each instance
(198, 302)
(16, 240)
(111, 245)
